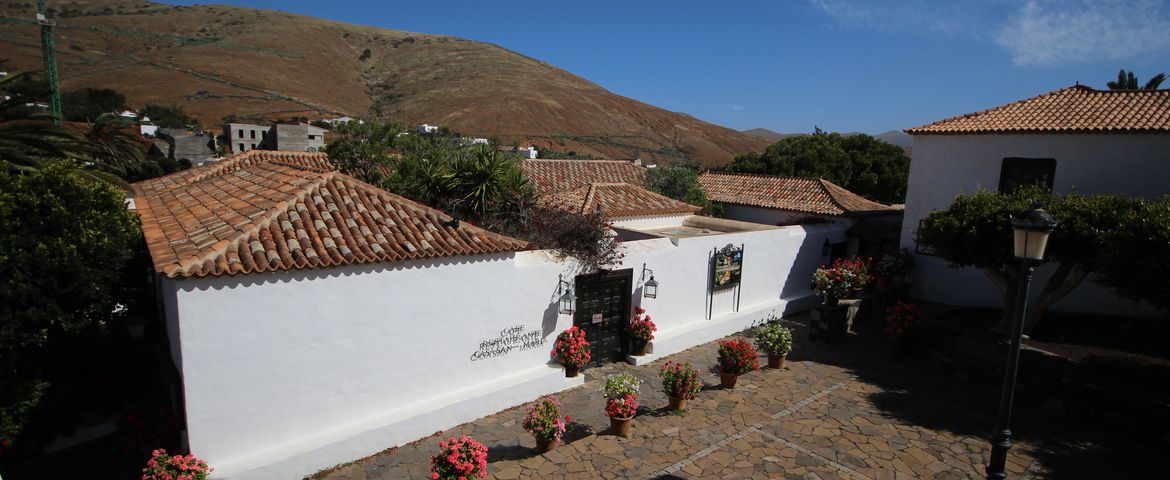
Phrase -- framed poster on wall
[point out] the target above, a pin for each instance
(727, 267)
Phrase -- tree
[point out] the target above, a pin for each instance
(677, 182)
(1145, 231)
(114, 146)
(363, 149)
(64, 240)
(1129, 81)
(975, 232)
(28, 137)
(87, 104)
(860, 163)
(167, 117)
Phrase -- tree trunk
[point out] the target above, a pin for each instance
(1005, 280)
(1064, 280)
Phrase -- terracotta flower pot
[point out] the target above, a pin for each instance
(776, 361)
(620, 426)
(677, 403)
(546, 445)
(640, 348)
(727, 380)
(572, 370)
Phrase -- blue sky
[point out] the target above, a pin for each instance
(787, 65)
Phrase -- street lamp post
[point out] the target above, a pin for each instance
(1030, 234)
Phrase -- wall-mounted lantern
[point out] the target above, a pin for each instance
(567, 300)
(650, 288)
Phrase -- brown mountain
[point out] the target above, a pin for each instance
(215, 60)
(769, 135)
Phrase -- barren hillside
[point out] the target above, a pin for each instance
(218, 60)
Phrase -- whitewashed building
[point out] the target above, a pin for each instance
(1093, 141)
(316, 319)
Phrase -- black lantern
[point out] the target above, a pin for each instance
(1030, 232)
(650, 287)
(567, 300)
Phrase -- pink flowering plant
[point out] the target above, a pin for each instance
(163, 466)
(544, 419)
(459, 459)
(641, 328)
(680, 380)
(622, 407)
(571, 348)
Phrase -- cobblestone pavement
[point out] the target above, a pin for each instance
(843, 410)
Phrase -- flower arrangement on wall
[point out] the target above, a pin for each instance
(571, 348)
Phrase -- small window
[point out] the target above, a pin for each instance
(253, 145)
(241, 147)
(241, 133)
(1018, 172)
(312, 137)
(253, 132)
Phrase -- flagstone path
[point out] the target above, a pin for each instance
(836, 411)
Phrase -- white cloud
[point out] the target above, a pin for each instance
(1058, 32)
(1033, 32)
(738, 108)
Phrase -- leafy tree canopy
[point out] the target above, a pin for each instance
(87, 104)
(64, 241)
(167, 116)
(364, 149)
(860, 163)
(975, 231)
(677, 182)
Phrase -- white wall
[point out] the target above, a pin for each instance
(768, 216)
(288, 373)
(946, 165)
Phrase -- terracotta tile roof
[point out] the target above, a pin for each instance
(551, 176)
(805, 195)
(618, 200)
(271, 211)
(1072, 109)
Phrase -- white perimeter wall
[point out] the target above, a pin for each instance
(946, 165)
(286, 374)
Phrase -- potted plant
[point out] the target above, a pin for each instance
(459, 458)
(642, 331)
(163, 466)
(545, 423)
(680, 382)
(856, 272)
(831, 284)
(907, 266)
(621, 402)
(736, 357)
(572, 350)
(888, 268)
(777, 341)
(900, 321)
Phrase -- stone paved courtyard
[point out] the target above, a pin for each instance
(844, 410)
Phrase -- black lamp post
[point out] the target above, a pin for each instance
(1030, 233)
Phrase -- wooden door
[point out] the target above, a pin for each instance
(603, 312)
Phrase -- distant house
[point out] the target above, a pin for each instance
(775, 200)
(527, 152)
(426, 128)
(473, 141)
(1093, 141)
(148, 130)
(128, 114)
(297, 137)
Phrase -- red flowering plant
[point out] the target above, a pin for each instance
(5, 444)
(571, 348)
(622, 407)
(901, 317)
(834, 281)
(737, 356)
(459, 459)
(680, 380)
(163, 466)
(544, 420)
(641, 328)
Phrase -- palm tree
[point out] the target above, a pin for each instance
(113, 146)
(1129, 81)
(28, 137)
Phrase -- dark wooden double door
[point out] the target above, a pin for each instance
(603, 312)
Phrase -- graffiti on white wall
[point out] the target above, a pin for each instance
(511, 339)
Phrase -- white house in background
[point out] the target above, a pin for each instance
(316, 319)
(1093, 141)
(148, 130)
(128, 114)
(775, 200)
(426, 128)
(528, 151)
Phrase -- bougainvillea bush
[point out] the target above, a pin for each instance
(459, 459)
(544, 420)
(163, 466)
(680, 380)
(571, 348)
(737, 356)
(901, 317)
(641, 328)
(622, 407)
(774, 339)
